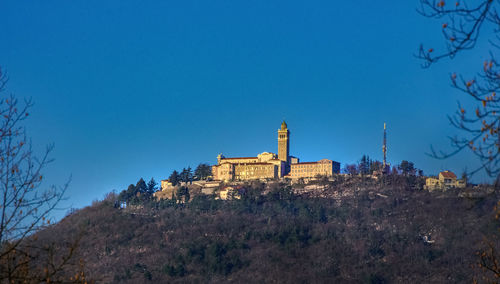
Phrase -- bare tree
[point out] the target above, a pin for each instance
(24, 205)
(462, 23)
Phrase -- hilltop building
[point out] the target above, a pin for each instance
(323, 167)
(165, 183)
(444, 181)
(271, 166)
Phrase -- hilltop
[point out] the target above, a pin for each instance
(355, 231)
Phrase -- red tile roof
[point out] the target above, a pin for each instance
(251, 164)
(448, 174)
(239, 158)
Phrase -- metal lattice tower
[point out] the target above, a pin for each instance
(384, 147)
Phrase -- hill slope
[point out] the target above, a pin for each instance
(280, 237)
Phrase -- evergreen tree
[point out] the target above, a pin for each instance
(131, 190)
(141, 186)
(130, 195)
(202, 171)
(189, 175)
(183, 175)
(127, 194)
(364, 165)
(407, 168)
(186, 175)
(138, 193)
(152, 186)
(174, 178)
(183, 193)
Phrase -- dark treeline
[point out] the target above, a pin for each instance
(139, 193)
(378, 234)
(202, 172)
(367, 166)
(142, 192)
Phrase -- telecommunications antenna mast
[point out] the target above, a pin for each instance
(384, 147)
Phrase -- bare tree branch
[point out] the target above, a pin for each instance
(461, 29)
(25, 207)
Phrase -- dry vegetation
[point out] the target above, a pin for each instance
(374, 235)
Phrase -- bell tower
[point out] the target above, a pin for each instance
(284, 143)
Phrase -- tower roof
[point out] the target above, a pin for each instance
(283, 125)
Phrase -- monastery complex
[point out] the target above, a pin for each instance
(228, 173)
(272, 166)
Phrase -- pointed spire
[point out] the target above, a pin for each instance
(283, 125)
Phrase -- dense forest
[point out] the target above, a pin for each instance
(382, 233)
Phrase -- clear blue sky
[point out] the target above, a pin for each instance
(129, 89)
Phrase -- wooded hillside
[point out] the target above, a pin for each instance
(378, 235)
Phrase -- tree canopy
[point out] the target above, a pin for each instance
(202, 171)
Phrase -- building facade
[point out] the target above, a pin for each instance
(323, 167)
(271, 166)
(444, 181)
(265, 166)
